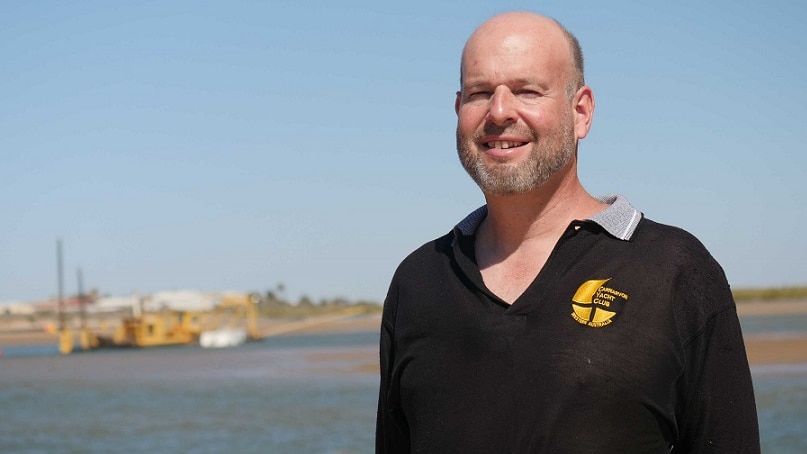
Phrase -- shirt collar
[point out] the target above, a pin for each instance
(619, 219)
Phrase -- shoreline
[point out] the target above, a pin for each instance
(762, 308)
(762, 349)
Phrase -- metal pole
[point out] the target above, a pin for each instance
(65, 336)
(61, 284)
(81, 300)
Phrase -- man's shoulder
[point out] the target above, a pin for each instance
(669, 240)
(433, 251)
(679, 251)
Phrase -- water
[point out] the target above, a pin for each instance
(781, 394)
(283, 395)
(306, 394)
(780, 390)
(777, 325)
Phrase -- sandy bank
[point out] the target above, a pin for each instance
(762, 349)
(757, 308)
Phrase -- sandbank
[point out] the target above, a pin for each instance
(763, 349)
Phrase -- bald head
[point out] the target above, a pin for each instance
(511, 29)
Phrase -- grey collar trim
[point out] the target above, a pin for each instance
(471, 222)
(619, 219)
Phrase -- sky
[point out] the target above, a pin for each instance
(309, 146)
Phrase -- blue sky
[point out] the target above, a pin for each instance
(240, 145)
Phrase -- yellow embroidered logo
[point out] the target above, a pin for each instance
(595, 305)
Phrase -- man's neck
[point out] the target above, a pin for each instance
(518, 234)
(539, 215)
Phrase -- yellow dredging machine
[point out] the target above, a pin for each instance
(232, 321)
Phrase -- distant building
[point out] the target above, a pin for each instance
(178, 300)
(183, 300)
(16, 308)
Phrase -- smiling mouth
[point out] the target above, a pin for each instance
(503, 144)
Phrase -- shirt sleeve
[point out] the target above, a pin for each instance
(392, 435)
(717, 411)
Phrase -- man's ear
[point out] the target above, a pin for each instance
(583, 105)
(457, 103)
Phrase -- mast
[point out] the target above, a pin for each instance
(65, 336)
(82, 314)
(86, 338)
(60, 277)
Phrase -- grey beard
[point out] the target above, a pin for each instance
(544, 161)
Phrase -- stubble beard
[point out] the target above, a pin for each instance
(548, 155)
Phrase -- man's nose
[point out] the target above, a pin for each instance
(502, 106)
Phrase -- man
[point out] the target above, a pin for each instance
(549, 321)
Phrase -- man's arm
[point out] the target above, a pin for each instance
(718, 412)
(390, 433)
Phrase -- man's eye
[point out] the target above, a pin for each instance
(477, 95)
(528, 94)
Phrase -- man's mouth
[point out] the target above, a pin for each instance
(503, 144)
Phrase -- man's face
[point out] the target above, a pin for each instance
(515, 122)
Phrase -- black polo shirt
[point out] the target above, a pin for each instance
(626, 342)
